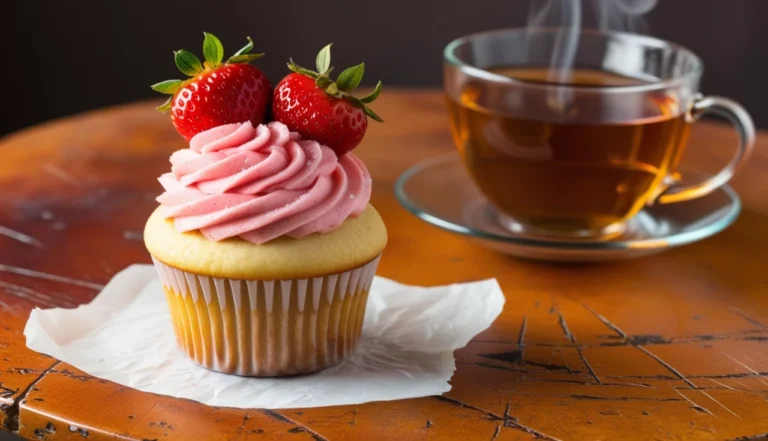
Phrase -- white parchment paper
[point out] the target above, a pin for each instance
(409, 335)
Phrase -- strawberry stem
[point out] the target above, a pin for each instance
(168, 87)
(213, 50)
(373, 95)
(166, 106)
(190, 65)
(348, 80)
(323, 60)
(323, 81)
(245, 58)
(302, 70)
(245, 49)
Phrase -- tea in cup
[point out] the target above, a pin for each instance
(577, 152)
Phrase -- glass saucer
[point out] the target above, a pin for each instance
(440, 192)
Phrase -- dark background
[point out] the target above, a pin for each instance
(63, 57)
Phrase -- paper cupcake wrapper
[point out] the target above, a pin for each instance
(267, 327)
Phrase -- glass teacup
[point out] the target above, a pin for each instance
(578, 152)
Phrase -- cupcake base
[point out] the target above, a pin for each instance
(267, 327)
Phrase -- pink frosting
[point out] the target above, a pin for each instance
(261, 183)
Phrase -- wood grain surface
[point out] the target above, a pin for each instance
(671, 347)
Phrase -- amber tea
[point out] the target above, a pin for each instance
(570, 132)
(563, 176)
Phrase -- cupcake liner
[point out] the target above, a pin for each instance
(267, 327)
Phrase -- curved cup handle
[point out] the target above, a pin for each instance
(742, 122)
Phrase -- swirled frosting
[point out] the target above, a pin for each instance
(261, 183)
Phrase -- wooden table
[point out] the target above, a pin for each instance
(668, 347)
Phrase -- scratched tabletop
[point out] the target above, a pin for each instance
(673, 346)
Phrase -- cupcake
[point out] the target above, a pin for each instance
(265, 240)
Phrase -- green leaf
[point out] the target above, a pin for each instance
(354, 100)
(245, 58)
(166, 106)
(168, 87)
(332, 89)
(323, 60)
(188, 63)
(301, 70)
(323, 81)
(372, 114)
(351, 77)
(245, 49)
(213, 50)
(373, 95)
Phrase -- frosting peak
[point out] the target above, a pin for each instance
(261, 183)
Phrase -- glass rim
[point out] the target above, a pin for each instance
(450, 57)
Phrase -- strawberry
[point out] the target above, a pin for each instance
(319, 108)
(217, 93)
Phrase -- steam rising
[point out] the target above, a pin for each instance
(565, 14)
(612, 15)
(623, 15)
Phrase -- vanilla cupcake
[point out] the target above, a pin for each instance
(266, 246)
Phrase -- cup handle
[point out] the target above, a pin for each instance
(735, 114)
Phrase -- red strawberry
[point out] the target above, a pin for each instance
(321, 109)
(218, 93)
